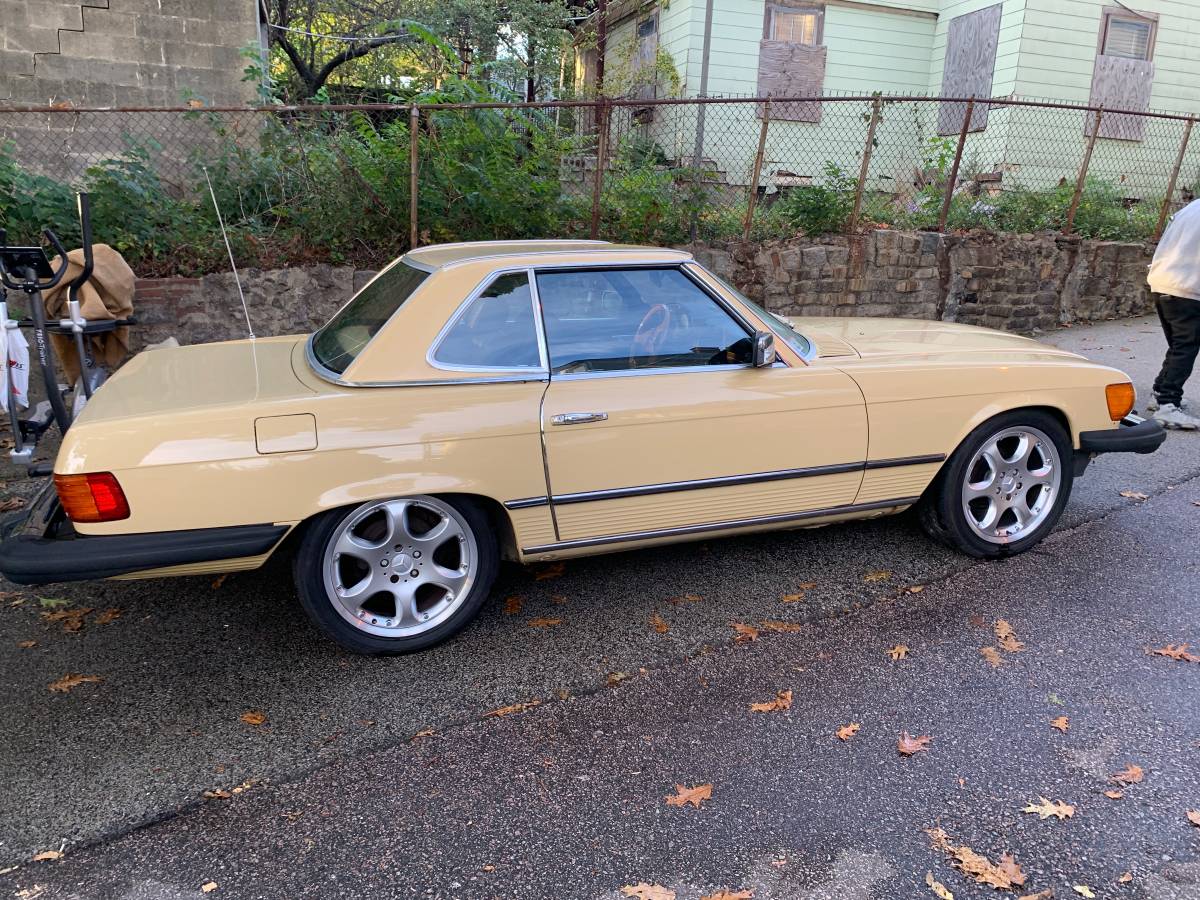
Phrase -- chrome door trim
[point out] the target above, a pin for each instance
(731, 524)
(905, 461)
(578, 418)
(527, 503)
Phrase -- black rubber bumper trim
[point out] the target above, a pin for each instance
(1142, 436)
(29, 559)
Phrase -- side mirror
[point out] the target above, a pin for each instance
(764, 349)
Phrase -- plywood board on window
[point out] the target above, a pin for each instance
(970, 64)
(1121, 83)
(792, 70)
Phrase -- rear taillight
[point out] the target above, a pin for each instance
(94, 497)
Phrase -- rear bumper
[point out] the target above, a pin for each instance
(40, 547)
(1134, 435)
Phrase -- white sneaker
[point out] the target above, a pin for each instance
(1152, 404)
(1171, 416)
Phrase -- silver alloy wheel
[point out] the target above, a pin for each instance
(397, 568)
(1011, 484)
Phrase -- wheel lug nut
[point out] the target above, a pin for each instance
(416, 554)
(414, 573)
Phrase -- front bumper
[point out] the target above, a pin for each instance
(40, 547)
(1134, 435)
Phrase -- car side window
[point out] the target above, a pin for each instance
(607, 320)
(496, 331)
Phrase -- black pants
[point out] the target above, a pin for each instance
(1180, 319)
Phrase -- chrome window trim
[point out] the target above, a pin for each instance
(461, 310)
(663, 370)
(728, 525)
(333, 378)
(678, 258)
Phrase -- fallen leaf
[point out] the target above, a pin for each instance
(1084, 891)
(908, 745)
(659, 624)
(847, 731)
(52, 602)
(915, 588)
(1177, 652)
(71, 619)
(1044, 809)
(782, 701)
(1003, 875)
(939, 889)
(512, 605)
(1133, 495)
(551, 570)
(992, 655)
(745, 632)
(108, 615)
(1003, 629)
(975, 620)
(25, 645)
(1010, 644)
(685, 598)
(1114, 795)
(793, 598)
(511, 710)
(10, 504)
(729, 895)
(1040, 895)
(544, 622)
(1062, 723)
(877, 576)
(1193, 816)
(558, 599)
(208, 887)
(47, 855)
(1126, 878)
(693, 795)
(423, 733)
(253, 717)
(615, 678)
(1131, 774)
(645, 891)
(217, 794)
(900, 651)
(216, 586)
(72, 679)
(781, 627)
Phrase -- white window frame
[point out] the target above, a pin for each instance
(818, 13)
(1111, 14)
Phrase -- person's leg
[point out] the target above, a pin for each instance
(1165, 322)
(1181, 324)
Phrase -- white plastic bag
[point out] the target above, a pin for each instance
(16, 352)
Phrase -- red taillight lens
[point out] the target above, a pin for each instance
(94, 497)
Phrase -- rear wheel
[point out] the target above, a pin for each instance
(1004, 488)
(396, 576)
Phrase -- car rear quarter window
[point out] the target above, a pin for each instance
(495, 331)
(341, 340)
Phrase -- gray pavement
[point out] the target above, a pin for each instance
(566, 798)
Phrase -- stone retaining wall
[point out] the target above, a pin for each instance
(1022, 283)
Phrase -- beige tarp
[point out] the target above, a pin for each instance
(108, 294)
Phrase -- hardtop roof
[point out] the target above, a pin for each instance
(438, 255)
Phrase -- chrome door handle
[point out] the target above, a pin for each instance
(577, 418)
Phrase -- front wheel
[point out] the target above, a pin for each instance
(1004, 488)
(396, 576)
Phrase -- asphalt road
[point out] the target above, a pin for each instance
(565, 799)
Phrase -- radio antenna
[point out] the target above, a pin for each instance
(229, 249)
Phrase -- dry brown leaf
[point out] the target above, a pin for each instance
(47, 855)
(847, 731)
(1084, 891)
(1114, 795)
(423, 733)
(745, 632)
(782, 701)
(217, 794)
(793, 598)
(684, 598)
(915, 588)
(71, 680)
(615, 678)
(908, 745)
(1131, 774)
(643, 891)
(900, 651)
(992, 655)
(779, 627)
(558, 599)
(550, 570)
(1135, 495)
(880, 575)
(659, 624)
(1193, 816)
(1003, 629)
(1062, 723)
(1003, 875)
(1044, 809)
(513, 709)
(219, 580)
(108, 615)
(693, 795)
(10, 504)
(939, 889)
(544, 622)
(1177, 652)
(71, 619)
(729, 895)
(1040, 895)
(208, 887)
(253, 717)
(512, 605)
(25, 645)
(1009, 644)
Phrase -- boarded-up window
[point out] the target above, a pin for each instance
(791, 59)
(971, 42)
(1123, 74)
(646, 63)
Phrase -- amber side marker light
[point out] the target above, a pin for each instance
(94, 497)
(1120, 399)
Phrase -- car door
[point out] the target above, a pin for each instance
(655, 421)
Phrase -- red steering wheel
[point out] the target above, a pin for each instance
(651, 334)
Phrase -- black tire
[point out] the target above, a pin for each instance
(941, 510)
(308, 572)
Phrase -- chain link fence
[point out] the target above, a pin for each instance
(338, 183)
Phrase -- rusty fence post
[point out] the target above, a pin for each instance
(958, 152)
(1083, 170)
(601, 164)
(876, 109)
(414, 138)
(752, 200)
(1166, 207)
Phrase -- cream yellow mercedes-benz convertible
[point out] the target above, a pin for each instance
(542, 400)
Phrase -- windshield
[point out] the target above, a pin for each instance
(337, 344)
(778, 324)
